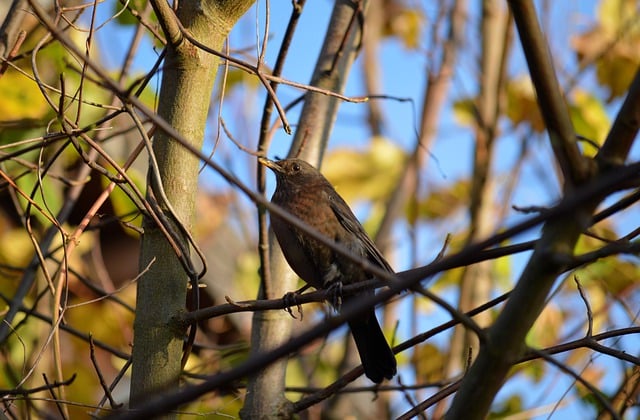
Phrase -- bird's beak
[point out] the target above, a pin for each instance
(273, 165)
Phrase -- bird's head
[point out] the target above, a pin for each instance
(294, 172)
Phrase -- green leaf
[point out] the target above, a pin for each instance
(512, 405)
(124, 15)
(123, 207)
(534, 370)
(47, 197)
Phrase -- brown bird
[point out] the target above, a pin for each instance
(304, 192)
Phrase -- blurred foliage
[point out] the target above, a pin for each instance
(534, 370)
(586, 110)
(124, 207)
(429, 361)
(443, 202)
(612, 44)
(366, 177)
(408, 25)
(546, 330)
(592, 374)
(123, 11)
(16, 250)
(522, 105)
(21, 98)
(236, 78)
(512, 404)
(45, 194)
(612, 275)
(589, 119)
(403, 20)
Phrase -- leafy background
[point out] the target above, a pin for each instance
(595, 48)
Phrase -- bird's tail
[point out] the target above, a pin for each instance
(376, 355)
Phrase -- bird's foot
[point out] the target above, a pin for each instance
(291, 299)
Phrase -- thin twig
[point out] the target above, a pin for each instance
(586, 304)
(103, 384)
(22, 35)
(597, 394)
(55, 384)
(61, 409)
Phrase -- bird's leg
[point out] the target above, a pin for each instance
(333, 285)
(335, 291)
(291, 299)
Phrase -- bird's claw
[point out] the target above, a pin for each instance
(291, 299)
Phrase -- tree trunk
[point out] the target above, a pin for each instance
(187, 82)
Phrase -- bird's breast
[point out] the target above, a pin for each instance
(309, 258)
(310, 207)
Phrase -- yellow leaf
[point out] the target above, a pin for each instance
(612, 275)
(522, 105)
(617, 72)
(613, 44)
(589, 119)
(443, 202)
(16, 249)
(545, 331)
(240, 78)
(407, 25)
(464, 112)
(364, 175)
(616, 14)
(21, 97)
(429, 362)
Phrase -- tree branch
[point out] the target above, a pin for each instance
(552, 104)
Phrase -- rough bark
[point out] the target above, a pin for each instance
(188, 77)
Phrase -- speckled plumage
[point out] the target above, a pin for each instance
(304, 192)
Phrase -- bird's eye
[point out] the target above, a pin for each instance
(295, 167)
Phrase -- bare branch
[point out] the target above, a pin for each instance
(552, 105)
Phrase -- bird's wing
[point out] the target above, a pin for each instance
(350, 223)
